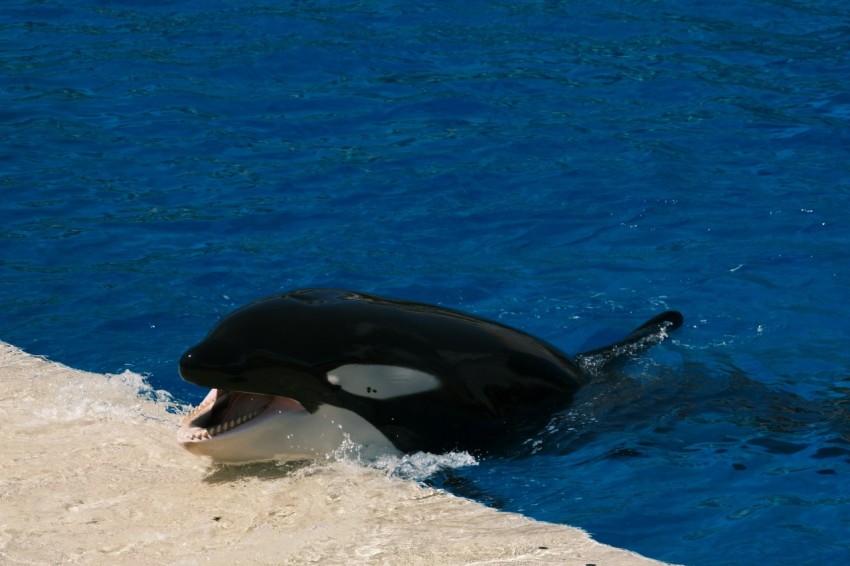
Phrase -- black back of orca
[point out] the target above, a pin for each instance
(480, 382)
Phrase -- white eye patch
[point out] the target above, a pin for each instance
(381, 382)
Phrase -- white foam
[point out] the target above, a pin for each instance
(422, 465)
(417, 467)
(111, 396)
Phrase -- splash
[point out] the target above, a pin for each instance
(422, 465)
(416, 467)
(121, 396)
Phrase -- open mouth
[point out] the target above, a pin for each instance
(224, 411)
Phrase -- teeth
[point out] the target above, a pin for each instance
(224, 427)
(197, 410)
(194, 433)
(199, 434)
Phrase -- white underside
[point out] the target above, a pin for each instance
(295, 435)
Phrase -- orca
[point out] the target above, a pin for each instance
(295, 375)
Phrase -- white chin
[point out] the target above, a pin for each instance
(286, 433)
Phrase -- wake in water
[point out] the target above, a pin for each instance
(694, 407)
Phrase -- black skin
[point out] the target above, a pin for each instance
(497, 383)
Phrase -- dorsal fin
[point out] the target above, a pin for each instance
(648, 334)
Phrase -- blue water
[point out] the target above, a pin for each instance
(569, 168)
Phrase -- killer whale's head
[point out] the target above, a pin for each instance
(290, 375)
(277, 346)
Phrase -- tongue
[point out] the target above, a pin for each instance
(240, 404)
(282, 404)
